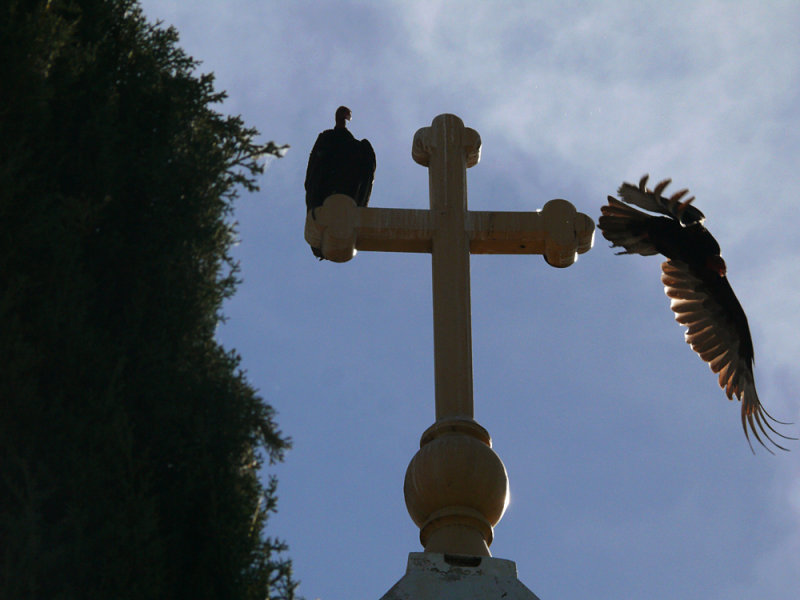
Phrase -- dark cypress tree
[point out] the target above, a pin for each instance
(130, 441)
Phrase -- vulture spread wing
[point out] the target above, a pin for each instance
(695, 281)
(652, 200)
(717, 330)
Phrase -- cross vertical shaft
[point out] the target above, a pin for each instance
(447, 148)
(456, 148)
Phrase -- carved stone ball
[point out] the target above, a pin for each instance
(457, 477)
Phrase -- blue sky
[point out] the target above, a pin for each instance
(630, 475)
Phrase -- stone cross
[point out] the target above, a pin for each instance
(456, 487)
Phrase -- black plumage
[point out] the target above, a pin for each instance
(339, 164)
(695, 280)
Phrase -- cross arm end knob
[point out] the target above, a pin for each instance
(331, 228)
(569, 233)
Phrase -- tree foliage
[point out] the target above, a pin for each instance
(130, 441)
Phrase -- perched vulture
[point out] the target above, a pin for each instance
(339, 164)
(694, 279)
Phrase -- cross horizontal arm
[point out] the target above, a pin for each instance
(339, 228)
(394, 230)
(557, 231)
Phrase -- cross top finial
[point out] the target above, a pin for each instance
(425, 140)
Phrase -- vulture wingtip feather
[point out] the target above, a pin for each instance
(760, 420)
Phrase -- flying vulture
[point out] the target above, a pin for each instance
(339, 164)
(694, 279)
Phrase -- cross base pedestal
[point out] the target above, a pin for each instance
(432, 576)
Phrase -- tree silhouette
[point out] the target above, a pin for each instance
(130, 441)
